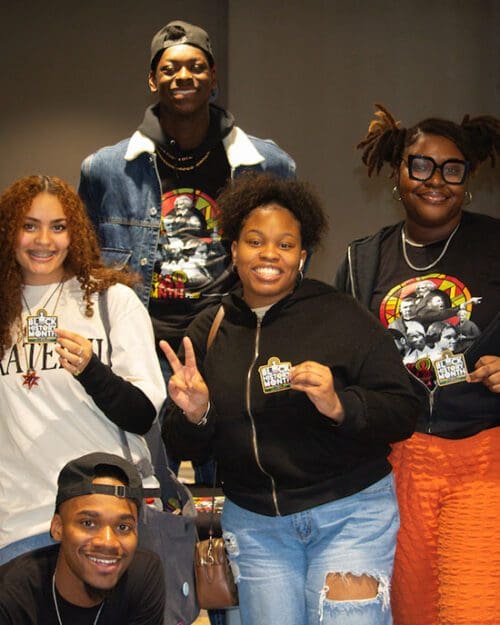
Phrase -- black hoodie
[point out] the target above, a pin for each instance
(277, 454)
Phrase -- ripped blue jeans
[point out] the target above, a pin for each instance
(281, 564)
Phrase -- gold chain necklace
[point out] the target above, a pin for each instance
(30, 377)
(185, 158)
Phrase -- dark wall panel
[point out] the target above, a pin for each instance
(74, 75)
(308, 73)
(304, 73)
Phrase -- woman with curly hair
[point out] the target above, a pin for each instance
(448, 474)
(77, 357)
(298, 397)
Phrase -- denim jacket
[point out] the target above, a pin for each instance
(121, 189)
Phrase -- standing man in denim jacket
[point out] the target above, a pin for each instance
(152, 197)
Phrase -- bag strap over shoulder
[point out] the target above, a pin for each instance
(215, 326)
(152, 438)
(104, 314)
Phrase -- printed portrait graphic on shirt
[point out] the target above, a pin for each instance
(189, 250)
(428, 317)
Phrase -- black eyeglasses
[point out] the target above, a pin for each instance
(453, 171)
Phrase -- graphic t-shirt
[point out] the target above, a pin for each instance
(193, 262)
(190, 254)
(437, 313)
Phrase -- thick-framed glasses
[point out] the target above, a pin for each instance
(422, 168)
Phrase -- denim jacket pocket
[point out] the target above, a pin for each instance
(115, 257)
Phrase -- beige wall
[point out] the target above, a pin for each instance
(305, 73)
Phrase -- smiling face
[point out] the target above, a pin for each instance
(98, 535)
(268, 255)
(432, 206)
(43, 241)
(183, 80)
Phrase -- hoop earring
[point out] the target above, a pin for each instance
(300, 276)
(395, 194)
(467, 198)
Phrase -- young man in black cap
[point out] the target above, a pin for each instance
(96, 574)
(185, 146)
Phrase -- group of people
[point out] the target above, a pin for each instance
(354, 426)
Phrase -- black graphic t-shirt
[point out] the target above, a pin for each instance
(192, 265)
(438, 311)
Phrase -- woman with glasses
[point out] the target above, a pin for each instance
(448, 554)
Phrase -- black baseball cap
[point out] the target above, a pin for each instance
(178, 32)
(76, 478)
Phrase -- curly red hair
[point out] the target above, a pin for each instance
(82, 261)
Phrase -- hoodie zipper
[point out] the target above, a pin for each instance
(350, 262)
(252, 422)
(431, 407)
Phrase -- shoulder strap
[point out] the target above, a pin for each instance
(104, 313)
(215, 326)
(144, 466)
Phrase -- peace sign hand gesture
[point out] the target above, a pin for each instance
(186, 387)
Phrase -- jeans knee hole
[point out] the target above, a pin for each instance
(351, 587)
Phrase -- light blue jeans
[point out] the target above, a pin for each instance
(281, 563)
(9, 552)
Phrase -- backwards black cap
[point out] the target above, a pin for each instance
(179, 32)
(76, 478)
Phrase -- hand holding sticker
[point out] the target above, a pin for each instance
(487, 371)
(316, 380)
